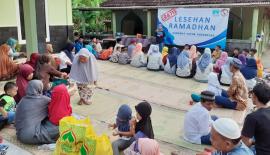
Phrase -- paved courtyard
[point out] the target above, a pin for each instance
(123, 84)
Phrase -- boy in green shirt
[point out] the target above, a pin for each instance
(7, 103)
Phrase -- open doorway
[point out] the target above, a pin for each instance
(132, 24)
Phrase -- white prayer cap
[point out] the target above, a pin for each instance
(227, 128)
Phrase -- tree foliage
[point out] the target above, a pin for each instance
(94, 20)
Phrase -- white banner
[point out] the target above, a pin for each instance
(203, 27)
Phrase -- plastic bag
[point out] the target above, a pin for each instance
(104, 146)
(72, 135)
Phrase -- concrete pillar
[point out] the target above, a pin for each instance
(254, 31)
(149, 26)
(83, 24)
(41, 25)
(29, 8)
(114, 23)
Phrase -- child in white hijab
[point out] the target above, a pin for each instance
(213, 86)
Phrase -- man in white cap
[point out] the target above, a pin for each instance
(197, 122)
(256, 129)
(237, 95)
(226, 138)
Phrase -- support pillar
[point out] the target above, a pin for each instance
(255, 20)
(83, 24)
(30, 26)
(114, 23)
(35, 26)
(149, 26)
(41, 25)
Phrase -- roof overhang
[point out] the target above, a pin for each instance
(224, 5)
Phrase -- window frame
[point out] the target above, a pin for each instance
(19, 32)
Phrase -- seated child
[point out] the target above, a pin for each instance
(115, 56)
(106, 54)
(213, 86)
(124, 128)
(59, 106)
(7, 104)
(198, 121)
(124, 58)
(143, 146)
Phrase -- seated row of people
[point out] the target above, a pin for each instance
(202, 128)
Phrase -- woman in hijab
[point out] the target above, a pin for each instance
(154, 59)
(171, 62)
(144, 125)
(204, 66)
(225, 76)
(11, 42)
(45, 72)
(138, 59)
(59, 106)
(193, 54)
(26, 73)
(84, 73)
(243, 59)
(33, 60)
(143, 146)
(213, 86)
(164, 54)
(90, 49)
(250, 73)
(32, 125)
(220, 62)
(184, 65)
(8, 69)
(66, 57)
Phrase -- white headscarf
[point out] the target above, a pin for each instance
(84, 73)
(153, 49)
(213, 84)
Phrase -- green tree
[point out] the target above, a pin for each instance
(93, 19)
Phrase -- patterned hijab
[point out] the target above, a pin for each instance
(84, 73)
(205, 59)
(183, 59)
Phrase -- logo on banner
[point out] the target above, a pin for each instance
(168, 15)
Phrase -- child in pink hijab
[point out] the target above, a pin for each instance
(220, 62)
(193, 53)
(144, 146)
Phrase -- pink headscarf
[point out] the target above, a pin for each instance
(137, 49)
(148, 146)
(222, 60)
(193, 52)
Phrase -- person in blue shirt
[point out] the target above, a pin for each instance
(79, 44)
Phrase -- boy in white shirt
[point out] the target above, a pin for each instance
(198, 121)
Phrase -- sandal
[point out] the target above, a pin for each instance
(80, 102)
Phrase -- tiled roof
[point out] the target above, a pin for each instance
(123, 3)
